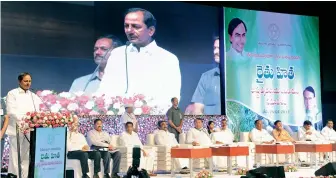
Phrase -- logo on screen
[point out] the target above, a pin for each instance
(51, 139)
(273, 31)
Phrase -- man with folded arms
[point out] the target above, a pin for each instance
(164, 137)
(78, 148)
(260, 135)
(308, 133)
(328, 131)
(129, 138)
(280, 134)
(129, 116)
(100, 140)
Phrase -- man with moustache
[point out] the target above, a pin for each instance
(206, 98)
(101, 140)
(19, 101)
(142, 66)
(101, 52)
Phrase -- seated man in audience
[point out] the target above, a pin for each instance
(280, 134)
(308, 133)
(328, 131)
(224, 135)
(260, 135)
(129, 138)
(100, 140)
(198, 136)
(164, 137)
(78, 148)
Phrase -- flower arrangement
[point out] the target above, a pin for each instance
(80, 104)
(290, 168)
(204, 174)
(241, 171)
(40, 119)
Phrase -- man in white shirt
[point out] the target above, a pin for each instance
(164, 137)
(129, 116)
(237, 32)
(98, 140)
(142, 66)
(308, 133)
(78, 148)
(328, 131)
(260, 135)
(20, 101)
(131, 139)
(198, 136)
(101, 52)
(224, 135)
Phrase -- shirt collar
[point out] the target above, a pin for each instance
(150, 48)
(95, 76)
(21, 90)
(216, 72)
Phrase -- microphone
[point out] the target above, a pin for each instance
(33, 91)
(127, 44)
(97, 68)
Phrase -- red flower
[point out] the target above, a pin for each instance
(37, 125)
(146, 110)
(140, 96)
(53, 122)
(28, 113)
(48, 122)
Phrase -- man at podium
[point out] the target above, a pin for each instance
(20, 101)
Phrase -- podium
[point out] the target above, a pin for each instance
(47, 152)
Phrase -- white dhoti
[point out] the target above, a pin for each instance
(147, 162)
(180, 163)
(13, 166)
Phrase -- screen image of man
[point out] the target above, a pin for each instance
(206, 98)
(101, 52)
(312, 113)
(141, 66)
(237, 33)
(19, 101)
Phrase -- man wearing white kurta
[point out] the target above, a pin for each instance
(308, 133)
(20, 101)
(223, 136)
(198, 136)
(260, 135)
(328, 131)
(164, 137)
(131, 139)
(142, 66)
(129, 116)
(78, 148)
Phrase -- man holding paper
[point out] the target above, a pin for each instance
(100, 140)
(78, 148)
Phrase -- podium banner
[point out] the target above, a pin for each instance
(272, 68)
(49, 153)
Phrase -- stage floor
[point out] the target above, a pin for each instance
(301, 173)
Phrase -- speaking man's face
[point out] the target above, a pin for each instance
(216, 50)
(25, 83)
(101, 51)
(136, 30)
(309, 100)
(238, 38)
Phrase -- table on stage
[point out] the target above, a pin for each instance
(274, 149)
(190, 153)
(313, 149)
(230, 151)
